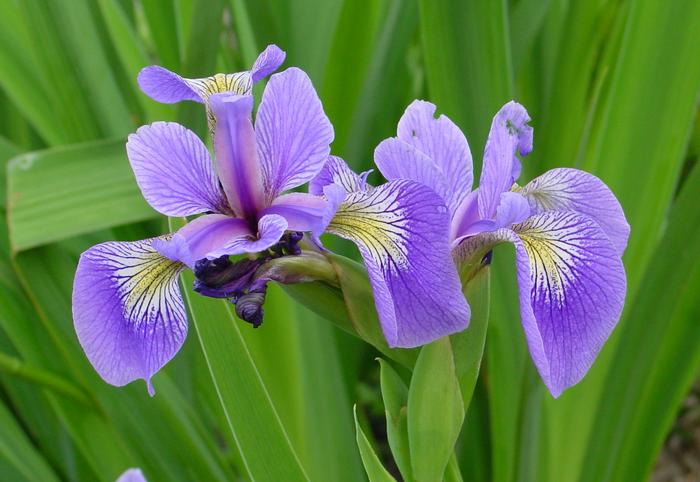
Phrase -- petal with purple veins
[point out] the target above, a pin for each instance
(167, 87)
(509, 134)
(513, 208)
(127, 310)
(271, 227)
(267, 62)
(336, 171)
(236, 154)
(174, 170)
(303, 212)
(202, 236)
(443, 142)
(397, 159)
(401, 229)
(294, 134)
(572, 288)
(574, 190)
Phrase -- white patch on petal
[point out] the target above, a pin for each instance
(553, 248)
(145, 280)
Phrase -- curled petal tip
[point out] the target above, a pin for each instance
(267, 62)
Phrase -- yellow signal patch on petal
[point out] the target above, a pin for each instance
(375, 219)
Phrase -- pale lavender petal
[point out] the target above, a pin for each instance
(271, 227)
(572, 288)
(165, 86)
(401, 229)
(443, 142)
(236, 154)
(174, 170)
(128, 312)
(267, 62)
(294, 134)
(336, 171)
(512, 209)
(303, 212)
(132, 475)
(509, 134)
(202, 236)
(397, 159)
(573, 190)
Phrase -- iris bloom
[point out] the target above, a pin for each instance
(128, 311)
(568, 229)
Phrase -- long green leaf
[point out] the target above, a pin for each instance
(262, 441)
(62, 192)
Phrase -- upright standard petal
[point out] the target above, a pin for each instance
(336, 171)
(573, 190)
(401, 229)
(164, 86)
(443, 142)
(509, 134)
(303, 212)
(127, 310)
(174, 170)
(236, 154)
(267, 62)
(397, 159)
(294, 134)
(572, 288)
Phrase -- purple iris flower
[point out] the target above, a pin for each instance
(568, 229)
(127, 307)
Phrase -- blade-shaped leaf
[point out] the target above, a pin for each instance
(62, 192)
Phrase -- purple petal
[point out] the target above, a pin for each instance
(271, 227)
(294, 134)
(572, 288)
(174, 170)
(509, 134)
(574, 190)
(401, 229)
(303, 212)
(202, 236)
(267, 62)
(236, 154)
(512, 209)
(397, 159)
(127, 310)
(132, 475)
(165, 86)
(336, 171)
(442, 141)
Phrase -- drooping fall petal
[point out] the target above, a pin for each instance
(127, 310)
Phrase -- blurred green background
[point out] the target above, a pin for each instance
(612, 87)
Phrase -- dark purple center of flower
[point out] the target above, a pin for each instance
(237, 281)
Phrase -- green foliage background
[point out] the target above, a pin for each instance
(612, 87)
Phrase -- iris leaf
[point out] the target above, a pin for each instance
(62, 192)
(373, 466)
